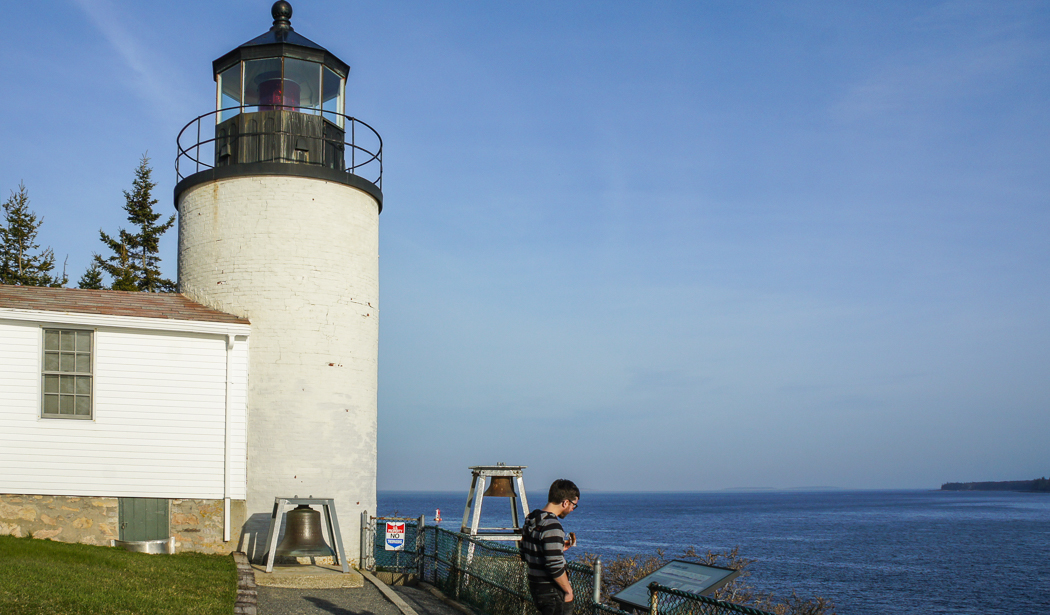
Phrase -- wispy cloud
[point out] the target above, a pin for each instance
(149, 82)
(974, 62)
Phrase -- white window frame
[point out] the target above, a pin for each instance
(44, 373)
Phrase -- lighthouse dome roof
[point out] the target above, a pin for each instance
(281, 40)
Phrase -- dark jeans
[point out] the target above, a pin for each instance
(550, 600)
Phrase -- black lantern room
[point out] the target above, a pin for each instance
(286, 89)
(280, 99)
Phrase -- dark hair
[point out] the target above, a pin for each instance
(561, 490)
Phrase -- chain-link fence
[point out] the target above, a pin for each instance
(491, 577)
(664, 600)
(406, 559)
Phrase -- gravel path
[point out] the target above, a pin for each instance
(365, 600)
(426, 603)
(357, 601)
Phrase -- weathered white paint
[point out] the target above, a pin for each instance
(299, 257)
(160, 408)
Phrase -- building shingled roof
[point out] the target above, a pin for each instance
(171, 306)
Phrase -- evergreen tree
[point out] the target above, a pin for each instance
(119, 267)
(20, 261)
(135, 264)
(92, 278)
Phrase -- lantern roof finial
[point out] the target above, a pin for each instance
(282, 15)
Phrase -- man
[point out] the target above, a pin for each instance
(543, 546)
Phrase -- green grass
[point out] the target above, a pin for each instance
(45, 577)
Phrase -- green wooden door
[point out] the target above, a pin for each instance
(143, 519)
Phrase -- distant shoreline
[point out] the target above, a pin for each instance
(1038, 485)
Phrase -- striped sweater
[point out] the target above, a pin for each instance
(542, 545)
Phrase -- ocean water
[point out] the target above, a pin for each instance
(870, 552)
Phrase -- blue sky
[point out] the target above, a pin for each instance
(647, 246)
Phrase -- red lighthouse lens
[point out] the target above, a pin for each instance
(278, 94)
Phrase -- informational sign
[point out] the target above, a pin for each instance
(678, 574)
(395, 536)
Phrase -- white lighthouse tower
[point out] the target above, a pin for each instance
(279, 196)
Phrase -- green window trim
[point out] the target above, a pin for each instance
(67, 374)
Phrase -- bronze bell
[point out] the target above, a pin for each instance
(501, 487)
(302, 534)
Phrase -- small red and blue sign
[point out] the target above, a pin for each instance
(395, 536)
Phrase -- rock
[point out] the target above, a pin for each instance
(184, 519)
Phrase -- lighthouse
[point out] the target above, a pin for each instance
(279, 194)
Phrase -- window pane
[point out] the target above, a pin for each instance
(83, 341)
(230, 91)
(66, 352)
(332, 95)
(304, 78)
(51, 340)
(261, 74)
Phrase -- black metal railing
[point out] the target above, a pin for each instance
(355, 147)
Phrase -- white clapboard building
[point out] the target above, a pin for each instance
(186, 415)
(117, 408)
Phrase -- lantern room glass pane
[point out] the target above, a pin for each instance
(262, 79)
(332, 97)
(304, 78)
(229, 92)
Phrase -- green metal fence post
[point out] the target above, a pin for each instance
(421, 544)
(596, 578)
(363, 559)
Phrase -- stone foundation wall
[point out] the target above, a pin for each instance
(195, 524)
(91, 521)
